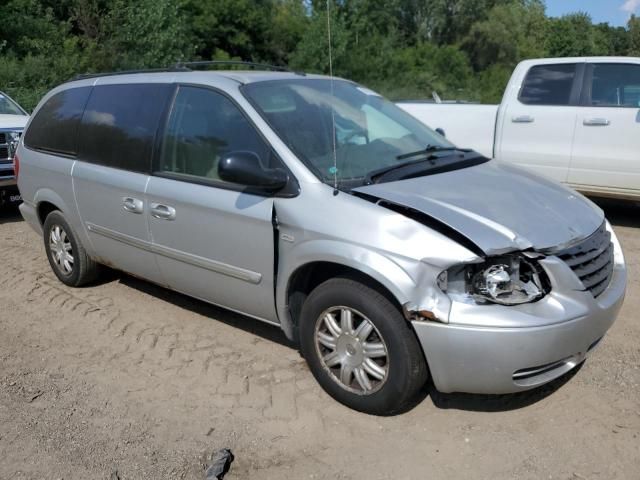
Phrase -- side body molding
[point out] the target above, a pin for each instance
(218, 267)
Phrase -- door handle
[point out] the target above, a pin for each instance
(132, 205)
(163, 212)
(596, 122)
(523, 119)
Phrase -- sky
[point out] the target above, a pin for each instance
(616, 12)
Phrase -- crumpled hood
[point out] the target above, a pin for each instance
(13, 121)
(497, 206)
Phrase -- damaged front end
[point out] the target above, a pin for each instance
(511, 279)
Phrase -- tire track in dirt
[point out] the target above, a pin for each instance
(183, 352)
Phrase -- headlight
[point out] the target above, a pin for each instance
(508, 280)
(14, 140)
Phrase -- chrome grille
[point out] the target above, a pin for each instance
(592, 260)
(6, 154)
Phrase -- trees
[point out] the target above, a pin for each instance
(634, 36)
(404, 48)
(571, 36)
(510, 33)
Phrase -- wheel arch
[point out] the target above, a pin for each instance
(46, 201)
(371, 268)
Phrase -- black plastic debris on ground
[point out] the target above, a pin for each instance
(219, 464)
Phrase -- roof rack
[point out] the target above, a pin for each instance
(84, 76)
(206, 63)
(187, 67)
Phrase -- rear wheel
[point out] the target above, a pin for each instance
(67, 257)
(360, 348)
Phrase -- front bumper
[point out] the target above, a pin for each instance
(9, 194)
(7, 181)
(497, 349)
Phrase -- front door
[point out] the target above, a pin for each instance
(212, 240)
(537, 127)
(606, 150)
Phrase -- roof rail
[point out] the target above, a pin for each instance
(206, 63)
(84, 76)
(186, 67)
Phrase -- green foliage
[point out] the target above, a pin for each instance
(311, 52)
(510, 33)
(571, 36)
(141, 34)
(463, 49)
(634, 36)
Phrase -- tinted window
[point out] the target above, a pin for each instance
(548, 85)
(55, 126)
(119, 125)
(204, 126)
(615, 85)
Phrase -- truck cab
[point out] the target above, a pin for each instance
(573, 120)
(13, 118)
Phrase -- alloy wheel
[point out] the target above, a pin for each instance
(61, 249)
(352, 350)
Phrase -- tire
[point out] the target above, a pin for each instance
(60, 237)
(387, 342)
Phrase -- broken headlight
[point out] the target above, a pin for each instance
(507, 280)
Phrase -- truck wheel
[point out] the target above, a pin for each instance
(360, 348)
(67, 257)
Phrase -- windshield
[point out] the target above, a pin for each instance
(9, 107)
(371, 133)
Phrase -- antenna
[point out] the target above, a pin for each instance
(333, 119)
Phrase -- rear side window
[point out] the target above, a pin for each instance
(615, 85)
(119, 125)
(55, 126)
(548, 85)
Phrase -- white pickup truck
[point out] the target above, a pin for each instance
(12, 121)
(575, 120)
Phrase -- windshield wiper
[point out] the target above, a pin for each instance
(431, 164)
(430, 149)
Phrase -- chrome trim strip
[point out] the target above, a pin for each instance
(218, 267)
(120, 237)
(201, 262)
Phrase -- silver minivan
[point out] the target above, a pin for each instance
(386, 253)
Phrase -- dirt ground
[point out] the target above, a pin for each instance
(125, 380)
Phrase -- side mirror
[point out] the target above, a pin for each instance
(441, 132)
(245, 168)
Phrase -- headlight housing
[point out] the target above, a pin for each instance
(511, 279)
(13, 140)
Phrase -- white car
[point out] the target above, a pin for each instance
(12, 121)
(574, 120)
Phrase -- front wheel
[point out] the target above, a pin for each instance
(360, 348)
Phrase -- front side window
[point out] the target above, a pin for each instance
(9, 107)
(615, 85)
(548, 84)
(342, 130)
(119, 125)
(55, 126)
(203, 127)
